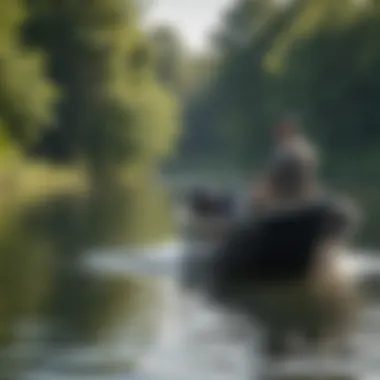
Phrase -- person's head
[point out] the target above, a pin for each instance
(287, 129)
(294, 162)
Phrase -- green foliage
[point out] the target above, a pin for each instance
(170, 59)
(26, 96)
(9, 150)
(104, 65)
(317, 58)
(334, 94)
(26, 253)
(113, 117)
(47, 217)
(116, 119)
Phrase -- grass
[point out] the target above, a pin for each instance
(26, 183)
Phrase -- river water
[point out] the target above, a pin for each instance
(201, 343)
(198, 342)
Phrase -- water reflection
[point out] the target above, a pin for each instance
(194, 341)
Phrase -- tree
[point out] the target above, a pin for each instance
(170, 58)
(101, 58)
(331, 76)
(317, 58)
(240, 103)
(116, 118)
(26, 96)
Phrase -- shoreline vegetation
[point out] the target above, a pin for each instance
(45, 221)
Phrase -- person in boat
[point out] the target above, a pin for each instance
(291, 179)
(290, 174)
(282, 266)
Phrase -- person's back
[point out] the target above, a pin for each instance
(279, 245)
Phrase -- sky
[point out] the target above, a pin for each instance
(194, 19)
